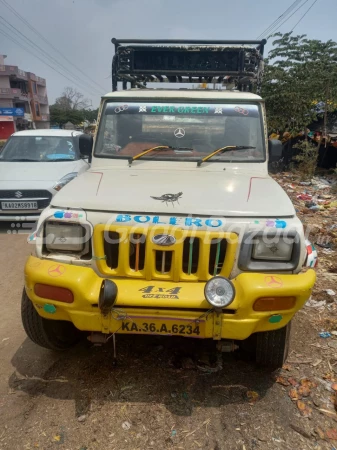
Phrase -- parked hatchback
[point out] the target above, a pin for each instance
(34, 165)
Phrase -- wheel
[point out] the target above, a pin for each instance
(51, 334)
(272, 347)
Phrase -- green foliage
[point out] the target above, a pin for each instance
(61, 116)
(90, 114)
(300, 76)
(71, 107)
(306, 159)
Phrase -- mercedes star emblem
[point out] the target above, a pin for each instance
(179, 133)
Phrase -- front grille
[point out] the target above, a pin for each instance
(25, 194)
(195, 255)
(42, 197)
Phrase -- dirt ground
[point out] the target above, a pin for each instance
(156, 397)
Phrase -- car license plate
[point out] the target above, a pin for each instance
(178, 327)
(19, 205)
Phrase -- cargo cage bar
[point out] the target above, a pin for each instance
(139, 61)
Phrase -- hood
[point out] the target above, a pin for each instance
(35, 171)
(226, 193)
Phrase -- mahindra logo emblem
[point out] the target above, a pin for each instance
(18, 194)
(164, 239)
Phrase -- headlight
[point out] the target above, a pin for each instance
(280, 251)
(271, 251)
(219, 292)
(64, 237)
(64, 180)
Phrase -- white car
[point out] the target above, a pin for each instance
(34, 165)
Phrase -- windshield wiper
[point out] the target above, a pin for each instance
(223, 150)
(158, 147)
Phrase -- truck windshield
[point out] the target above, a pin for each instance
(127, 129)
(39, 149)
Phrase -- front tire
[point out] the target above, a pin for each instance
(272, 347)
(50, 334)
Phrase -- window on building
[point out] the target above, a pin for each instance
(37, 109)
(34, 87)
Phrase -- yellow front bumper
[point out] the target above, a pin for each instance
(164, 302)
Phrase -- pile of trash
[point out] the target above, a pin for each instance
(315, 202)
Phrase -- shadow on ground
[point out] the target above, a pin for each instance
(149, 370)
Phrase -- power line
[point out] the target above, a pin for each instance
(279, 19)
(306, 1)
(8, 25)
(30, 51)
(32, 28)
(304, 15)
(270, 29)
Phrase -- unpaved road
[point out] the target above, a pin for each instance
(148, 400)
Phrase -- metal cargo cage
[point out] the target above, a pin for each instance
(138, 62)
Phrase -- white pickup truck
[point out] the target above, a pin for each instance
(177, 228)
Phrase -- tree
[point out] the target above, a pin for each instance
(90, 114)
(300, 81)
(72, 99)
(61, 116)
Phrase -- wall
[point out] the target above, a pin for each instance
(6, 103)
(4, 81)
(6, 129)
(42, 125)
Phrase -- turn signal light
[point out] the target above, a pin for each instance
(274, 303)
(57, 293)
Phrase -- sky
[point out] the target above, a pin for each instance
(81, 30)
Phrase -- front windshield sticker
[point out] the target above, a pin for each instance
(182, 109)
(179, 133)
(119, 109)
(240, 110)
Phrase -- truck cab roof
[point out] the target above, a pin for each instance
(191, 94)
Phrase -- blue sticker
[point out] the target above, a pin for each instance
(67, 215)
(280, 224)
(276, 223)
(179, 221)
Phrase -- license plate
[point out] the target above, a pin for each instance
(177, 327)
(19, 205)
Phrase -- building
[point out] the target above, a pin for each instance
(23, 100)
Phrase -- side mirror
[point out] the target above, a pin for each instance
(275, 150)
(85, 145)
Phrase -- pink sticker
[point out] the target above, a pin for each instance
(57, 270)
